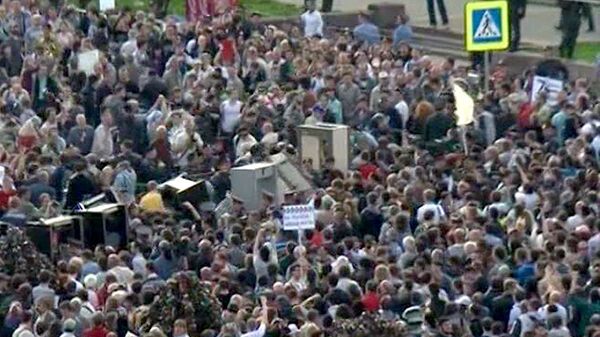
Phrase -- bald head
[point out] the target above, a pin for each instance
(80, 119)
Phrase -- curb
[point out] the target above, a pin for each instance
(551, 3)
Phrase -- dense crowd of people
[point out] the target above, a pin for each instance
(487, 230)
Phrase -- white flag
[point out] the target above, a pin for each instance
(465, 106)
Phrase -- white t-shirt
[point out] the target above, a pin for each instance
(403, 111)
(270, 139)
(230, 115)
(438, 212)
(243, 145)
(596, 144)
(22, 332)
(313, 23)
(530, 200)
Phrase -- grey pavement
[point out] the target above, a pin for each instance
(537, 27)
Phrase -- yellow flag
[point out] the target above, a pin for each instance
(465, 106)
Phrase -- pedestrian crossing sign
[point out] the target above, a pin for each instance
(486, 25)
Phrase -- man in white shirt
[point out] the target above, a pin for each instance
(312, 21)
(139, 261)
(102, 146)
(345, 282)
(25, 328)
(123, 274)
(43, 290)
(231, 110)
(430, 206)
(129, 47)
(270, 138)
(403, 110)
(185, 142)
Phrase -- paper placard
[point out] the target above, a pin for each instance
(106, 5)
(546, 84)
(86, 61)
(298, 217)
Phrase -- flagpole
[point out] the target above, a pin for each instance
(486, 70)
(463, 130)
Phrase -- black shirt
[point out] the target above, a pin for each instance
(80, 188)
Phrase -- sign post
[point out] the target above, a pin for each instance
(487, 28)
(298, 218)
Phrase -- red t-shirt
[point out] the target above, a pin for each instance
(27, 142)
(524, 115)
(317, 239)
(366, 170)
(4, 196)
(96, 332)
(370, 302)
(227, 51)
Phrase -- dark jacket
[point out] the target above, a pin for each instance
(80, 188)
(437, 125)
(41, 99)
(370, 222)
(501, 306)
(155, 87)
(81, 138)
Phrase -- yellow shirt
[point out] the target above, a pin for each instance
(152, 202)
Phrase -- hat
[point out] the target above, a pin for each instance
(383, 74)
(463, 300)
(237, 199)
(69, 325)
(293, 329)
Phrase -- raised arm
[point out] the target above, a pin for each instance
(257, 241)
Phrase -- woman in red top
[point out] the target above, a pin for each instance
(317, 239)
(161, 148)
(28, 134)
(366, 168)
(7, 189)
(98, 330)
(370, 299)
(228, 51)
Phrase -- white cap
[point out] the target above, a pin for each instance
(293, 329)
(463, 300)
